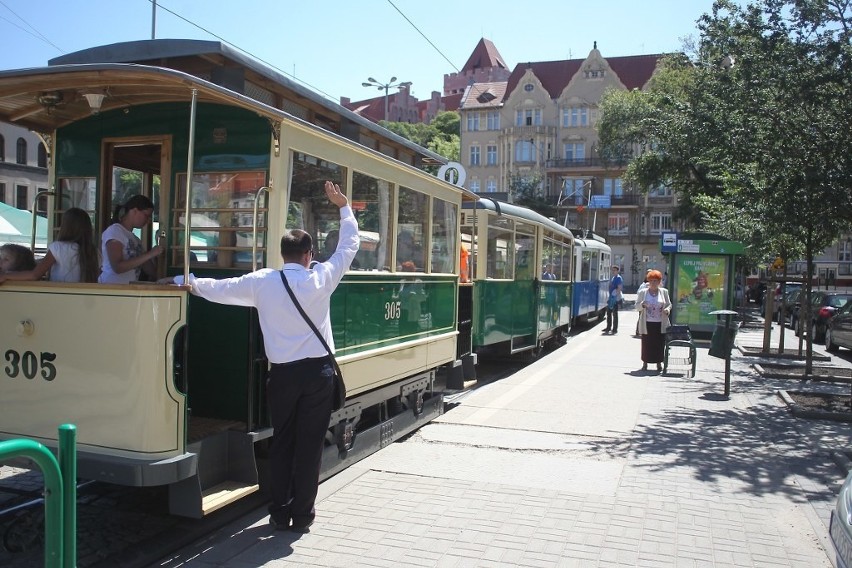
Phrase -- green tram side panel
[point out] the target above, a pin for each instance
(554, 305)
(366, 313)
(241, 140)
(379, 311)
(505, 311)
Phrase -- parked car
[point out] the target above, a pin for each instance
(840, 526)
(789, 314)
(776, 303)
(756, 292)
(823, 307)
(838, 333)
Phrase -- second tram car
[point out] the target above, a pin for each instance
(592, 262)
(511, 306)
(166, 388)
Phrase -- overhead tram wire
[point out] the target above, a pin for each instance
(435, 47)
(35, 33)
(235, 46)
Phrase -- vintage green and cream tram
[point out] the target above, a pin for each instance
(165, 388)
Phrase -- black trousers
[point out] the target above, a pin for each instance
(299, 398)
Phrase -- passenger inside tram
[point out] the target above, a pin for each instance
(124, 259)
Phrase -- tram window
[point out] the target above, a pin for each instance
(444, 238)
(371, 199)
(221, 227)
(594, 266)
(76, 192)
(501, 249)
(552, 255)
(525, 255)
(309, 208)
(586, 266)
(413, 226)
(567, 254)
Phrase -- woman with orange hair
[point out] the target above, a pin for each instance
(654, 307)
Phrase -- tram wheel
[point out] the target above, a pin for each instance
(25, 532)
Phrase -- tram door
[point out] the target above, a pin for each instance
(137, 166)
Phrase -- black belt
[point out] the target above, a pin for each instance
(299, 362)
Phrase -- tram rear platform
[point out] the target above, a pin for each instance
(578, 459)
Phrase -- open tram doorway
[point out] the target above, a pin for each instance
(134, 166)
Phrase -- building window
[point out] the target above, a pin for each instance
(613, 187)
(42, 156)
(22, 151)
(574, 151)
(618, 224)
(472, 121)
(474, 156)
(2, 149)
(491, 186)
(660, 191)
(528, 117)
(21, 197)
(845, 252)
(524, 151)
(2, 193)
(661, 222)
(529, 87)
(491, 155)
(474, 186)
(575, 190)
(575, 116)
(493, 120)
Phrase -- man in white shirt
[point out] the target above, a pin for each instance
(299, 385)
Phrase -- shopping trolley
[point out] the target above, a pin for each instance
(680, 350)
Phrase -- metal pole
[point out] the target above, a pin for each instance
(38, 196)
(68, 468)
(727, 357)
(387, 87)
(190, 158)
(153, 18)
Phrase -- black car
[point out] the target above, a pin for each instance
(823, 307)
(838, 333)
(790, 312)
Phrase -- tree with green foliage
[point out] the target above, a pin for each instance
(441, 136)
(752, 131)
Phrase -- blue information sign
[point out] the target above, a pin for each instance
(600, 202)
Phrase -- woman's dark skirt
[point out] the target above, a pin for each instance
(653, 343)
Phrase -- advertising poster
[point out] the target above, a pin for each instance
(700, 289)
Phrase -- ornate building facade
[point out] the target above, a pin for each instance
(538, 128)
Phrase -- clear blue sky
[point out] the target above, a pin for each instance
(334, 45)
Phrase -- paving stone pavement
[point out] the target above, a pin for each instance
(578, 460)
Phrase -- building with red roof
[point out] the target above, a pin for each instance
(539, 125)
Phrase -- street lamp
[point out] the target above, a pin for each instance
(385, 87)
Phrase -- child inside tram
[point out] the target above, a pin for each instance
(72, 257)
(15, 257)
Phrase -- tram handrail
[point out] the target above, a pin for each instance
(254, 227)
(60, 503)
(190, 172)
(39, 195)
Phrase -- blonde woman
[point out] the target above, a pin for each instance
(654, 305)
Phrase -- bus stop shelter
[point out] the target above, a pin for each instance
(701, 278)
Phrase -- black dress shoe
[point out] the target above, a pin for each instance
(279, 525)
(303, 528)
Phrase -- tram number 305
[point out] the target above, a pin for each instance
(29, 364)
(393, 310)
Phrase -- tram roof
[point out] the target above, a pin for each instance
(502, 208)
(45, 98)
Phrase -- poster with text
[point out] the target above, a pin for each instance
(700, 289)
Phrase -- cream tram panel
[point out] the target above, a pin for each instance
(365, 371)
(111, 351)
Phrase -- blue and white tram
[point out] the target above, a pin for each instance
(592, 262)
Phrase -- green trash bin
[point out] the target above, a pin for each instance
(723, 338)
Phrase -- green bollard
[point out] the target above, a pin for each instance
(68, 467)
(53, 537)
